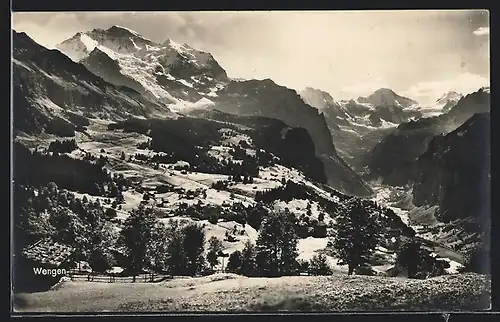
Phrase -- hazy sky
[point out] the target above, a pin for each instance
(421, 54)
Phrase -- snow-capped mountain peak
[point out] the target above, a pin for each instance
(169, 71)
(448, 100)
(452, 95)
(120, 30)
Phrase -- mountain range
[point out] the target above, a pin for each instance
(187, 77)
(168, 118)
(392, 159)
(358, 125)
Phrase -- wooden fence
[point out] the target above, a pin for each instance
(115, 278)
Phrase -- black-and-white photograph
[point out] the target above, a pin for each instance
(251, 161)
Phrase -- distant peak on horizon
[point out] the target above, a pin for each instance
(123, 28)
(387, 96)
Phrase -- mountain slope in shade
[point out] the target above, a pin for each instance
(387, 97)
(266, 98)
(393, 159)
(454, 172)
(166, 70)
(50, 89)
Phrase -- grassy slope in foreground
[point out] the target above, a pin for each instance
(228, 292)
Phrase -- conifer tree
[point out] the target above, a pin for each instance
(193, 245)
(234, 262)
(214, 249)
(248, 259)
(356, 234)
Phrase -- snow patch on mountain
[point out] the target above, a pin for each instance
(185, 83)
(89, 43)
(20, 63)
(185, 106)
(135, 45)
(387, 124)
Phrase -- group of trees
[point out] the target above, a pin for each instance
(362, 225)
(290, 190)
(37, 168)
(275, 252)
(60, 127)
(356, 234)
(305, 226)
(243, 170)
(55, 213)
(149, 244)
(236, 211)
(188, 140)
(87, 176)
(418, 261)
(145, 243)
(225, 184)
(64, 146)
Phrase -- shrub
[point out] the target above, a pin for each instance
(318, 265)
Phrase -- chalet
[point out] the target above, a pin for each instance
(42, 264)
(49, 253)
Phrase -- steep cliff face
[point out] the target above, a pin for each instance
(454, 172)
(335, 114)
(266, 98)
(108, 69)
(393, 158)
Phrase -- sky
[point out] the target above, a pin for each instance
(420, 54)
